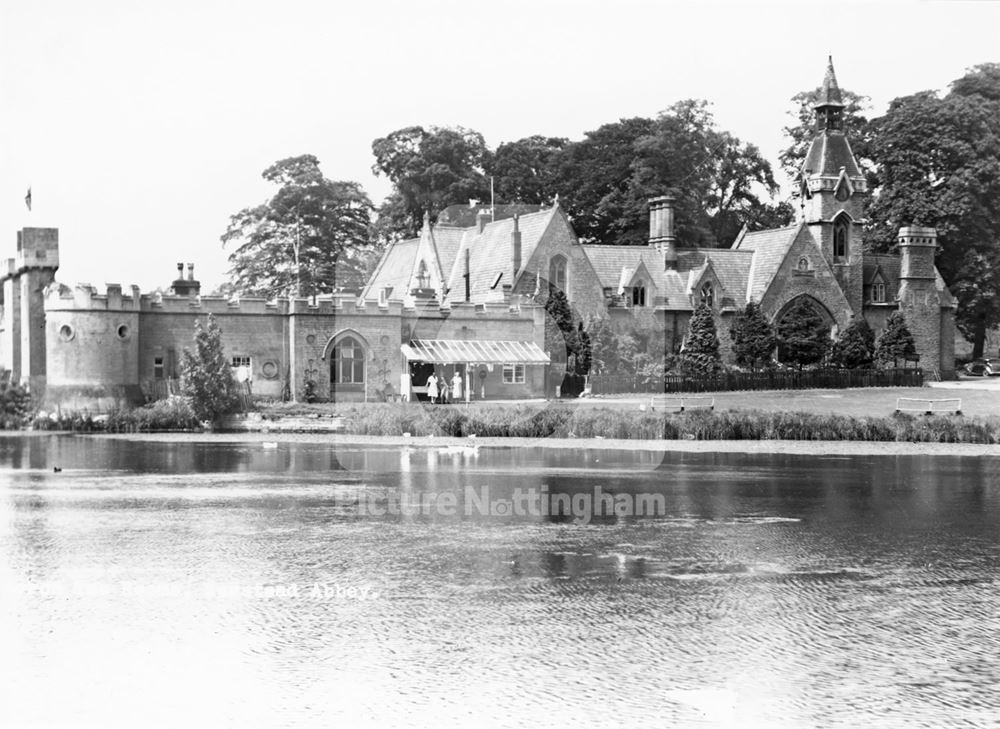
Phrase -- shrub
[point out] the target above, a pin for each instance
(208, 378)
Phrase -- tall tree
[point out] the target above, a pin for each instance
(895, 343)
(430, 169)
(753, 338)
(605, 349)
(803, 335)
(940, 166)
(525, 171)
(309, 238)
(700, 355)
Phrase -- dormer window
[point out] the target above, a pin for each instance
(841, 239)
(639, 295)
(708, 295)
(878, 292)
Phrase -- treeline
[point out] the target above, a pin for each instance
(931, 160)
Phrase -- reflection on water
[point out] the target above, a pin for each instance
(192, 585)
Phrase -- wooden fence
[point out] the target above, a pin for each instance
(729, 381)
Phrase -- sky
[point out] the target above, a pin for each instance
(142, 127)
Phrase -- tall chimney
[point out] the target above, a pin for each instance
(482, 219)
(661, 229)
(180, 271)
(190, 272)
(515, 239)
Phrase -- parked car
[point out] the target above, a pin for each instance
(983, 367)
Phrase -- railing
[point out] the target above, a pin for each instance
(160, 389)
(774, 380)
(928, 406)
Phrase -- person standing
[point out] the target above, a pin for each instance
(432, 388)
(456, 387)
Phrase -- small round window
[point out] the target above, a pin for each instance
(66, 332)
(123, 332)
(269, 369)
(310, 339)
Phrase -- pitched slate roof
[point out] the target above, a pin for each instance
(890, 265)
(828, 152)
(491, 253)
(393, 270)
(769, 248)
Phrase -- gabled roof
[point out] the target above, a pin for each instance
(769, 248)
(492, 252)
(393, 270)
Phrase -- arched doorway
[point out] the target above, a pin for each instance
(804, 327)
(346, 355)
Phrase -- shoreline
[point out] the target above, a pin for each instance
(790, 447)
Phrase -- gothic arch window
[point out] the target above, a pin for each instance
(557, 272)
(347, 366)
(423, 277)
(841, 238)
(708, 294)
(639, 294)
(803, 264)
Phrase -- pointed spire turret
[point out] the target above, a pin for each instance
(829, 105)
(829, 93)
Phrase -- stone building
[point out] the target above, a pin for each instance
(464, 298)
(820, 258)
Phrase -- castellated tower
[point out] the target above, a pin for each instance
(22, 343)
(918, 295)
(833, 192)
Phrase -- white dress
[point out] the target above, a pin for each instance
(432, 387)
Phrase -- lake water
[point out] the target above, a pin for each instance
(194, 584)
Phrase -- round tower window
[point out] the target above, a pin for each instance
(310, 339)
(66, 332)
(269, 369)
(123, 332)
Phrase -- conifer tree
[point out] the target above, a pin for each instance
(701, 349)
(753, 338)
(208, 379)
(803, 334)
(855, 347)
(895, 343)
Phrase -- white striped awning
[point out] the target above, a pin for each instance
(489, 351)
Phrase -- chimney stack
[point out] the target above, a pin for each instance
(180, 271)
(482, 219)
(661, 229)
(515, 238)
(190, 272)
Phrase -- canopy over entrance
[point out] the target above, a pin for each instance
(489, 351)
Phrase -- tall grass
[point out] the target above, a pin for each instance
(613, 423)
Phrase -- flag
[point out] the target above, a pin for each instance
(27, 199)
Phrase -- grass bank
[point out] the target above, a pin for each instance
(556, 421)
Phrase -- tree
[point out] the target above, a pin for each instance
(803, 335)
(524, 171)
(604, 346)
(561, 340)
(939, 164)
(855, 347)
(700, 354)
(606, 179)
(309, 238)
(895, 343)
(753, 338)
(430, 169)
(208, 378)
(858, 127)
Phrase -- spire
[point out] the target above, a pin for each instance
(829, 93)
(829, 105)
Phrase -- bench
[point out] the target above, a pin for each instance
(928, 406)
(680, 404)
